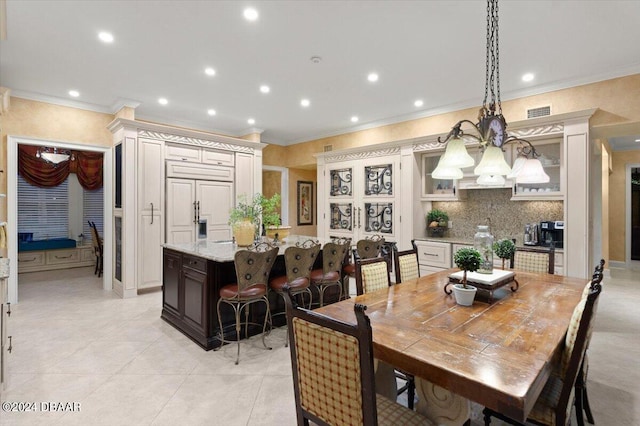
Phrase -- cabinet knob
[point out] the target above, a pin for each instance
(8, 309)
(10, 348)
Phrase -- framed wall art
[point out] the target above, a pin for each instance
(305, 203)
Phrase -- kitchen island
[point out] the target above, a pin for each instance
(193, 274)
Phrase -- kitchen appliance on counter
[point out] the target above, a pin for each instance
(531, 234)
(552, 233)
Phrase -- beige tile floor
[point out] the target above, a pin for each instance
(74, 342)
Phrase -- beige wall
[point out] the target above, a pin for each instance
(271, 183)
(617, 202)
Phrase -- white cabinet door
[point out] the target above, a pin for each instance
(213, 202)
(150, 260)
(151, 179)
(181, 210)
(363, 198)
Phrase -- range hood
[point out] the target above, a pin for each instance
(469, 182)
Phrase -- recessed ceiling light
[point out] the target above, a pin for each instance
(528, 77)
(305, 102)
(637, 140)
(163, 101)
(265, 89)
(105, 37)
(211, 111)
(74, 93)
(354, 119)
(251, 121)
(209, 71)
(250, 14)
(418, 103)
(373, 77)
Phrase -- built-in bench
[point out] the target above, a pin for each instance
(59, 253)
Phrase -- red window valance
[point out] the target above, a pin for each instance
(86, 165)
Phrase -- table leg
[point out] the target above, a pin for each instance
(440, 405)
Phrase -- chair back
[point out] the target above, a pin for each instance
(406, 264)
(371, 275)
(254, 265)
(96, 241)
(299, 259)
(369, 247)
(333, 255)
(332, 365)
(534, 260)
(576, 342)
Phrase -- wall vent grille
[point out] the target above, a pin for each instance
(539, 112)
(328, 148)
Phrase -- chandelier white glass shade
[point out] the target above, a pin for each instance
(532, 172)
(54, 156)
(490, 132)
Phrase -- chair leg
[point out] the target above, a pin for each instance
(237, 310)
(267, 315)
(95, 272)
(587, 407)
(220, 326)
(411, 391)
(578, 405)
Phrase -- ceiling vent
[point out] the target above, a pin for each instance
(328, 148)
(539, 112)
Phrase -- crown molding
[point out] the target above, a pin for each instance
(39, 97)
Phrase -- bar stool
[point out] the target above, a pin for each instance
(333, 254)
(252, 271)
(366, 248)
(298, 262)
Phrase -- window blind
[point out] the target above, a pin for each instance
(92, 207)
(43, 211)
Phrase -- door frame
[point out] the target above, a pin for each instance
(12, 208)
(631, 264)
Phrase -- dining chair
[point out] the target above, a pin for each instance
(333, 255)
(406, 264)
(98, 248)
(534, 260)
(252, 273)
(581, 398)
(333, 372)
(298, 261)
(554, 404)
(371, 275)
(366, 248)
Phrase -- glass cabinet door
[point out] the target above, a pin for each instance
(551, 160)
(435, 189)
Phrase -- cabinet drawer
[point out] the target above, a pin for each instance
(434, 254)
(87, 254)
(194, 262)
(182, 153)
(558, 259)
(31, 258)
(220, 158)
(199, 171)
(55, 257)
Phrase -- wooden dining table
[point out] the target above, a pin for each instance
(499, 355)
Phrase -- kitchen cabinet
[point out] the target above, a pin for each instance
(198, 209)
(362, 198)
(552, 160)
(436, 189)
(198, 154)
(433, 256)
(45, 260)
(150, 213)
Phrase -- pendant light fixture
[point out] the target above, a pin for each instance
(490, 131)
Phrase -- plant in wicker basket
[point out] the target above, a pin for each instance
(437, 222)
(504, 249)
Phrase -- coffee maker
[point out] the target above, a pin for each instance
(531, 232)
(552, 233)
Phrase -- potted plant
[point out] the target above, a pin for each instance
(504, 249)
(437, 222)
(271, 217)
(244, 219)
(467, 259)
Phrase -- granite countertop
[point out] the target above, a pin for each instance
(223, 251)
(470, 242)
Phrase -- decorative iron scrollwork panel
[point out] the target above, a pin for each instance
(378, 217)
(341, 182)
(378, 180)
(341, 216)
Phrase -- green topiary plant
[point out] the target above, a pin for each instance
(467, 259)
(270, 215)
(437, 222)
(504, 249)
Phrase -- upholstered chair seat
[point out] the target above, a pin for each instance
(298, 283)
(230, 291)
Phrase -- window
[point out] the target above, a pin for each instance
(92, 206)
(44, 212)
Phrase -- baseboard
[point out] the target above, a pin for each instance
(617, 264)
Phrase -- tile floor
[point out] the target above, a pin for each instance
(74, 342)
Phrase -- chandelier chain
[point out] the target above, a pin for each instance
(497, 62)
(486, 73)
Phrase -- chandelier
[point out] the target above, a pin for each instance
(54, 156)
(490, 131)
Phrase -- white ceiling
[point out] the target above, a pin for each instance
(430, 50)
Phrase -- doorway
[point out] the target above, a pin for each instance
(276, 180)
(12, 210)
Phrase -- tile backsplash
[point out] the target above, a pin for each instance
(507, 217)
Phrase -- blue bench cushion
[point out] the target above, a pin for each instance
(52, 244)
